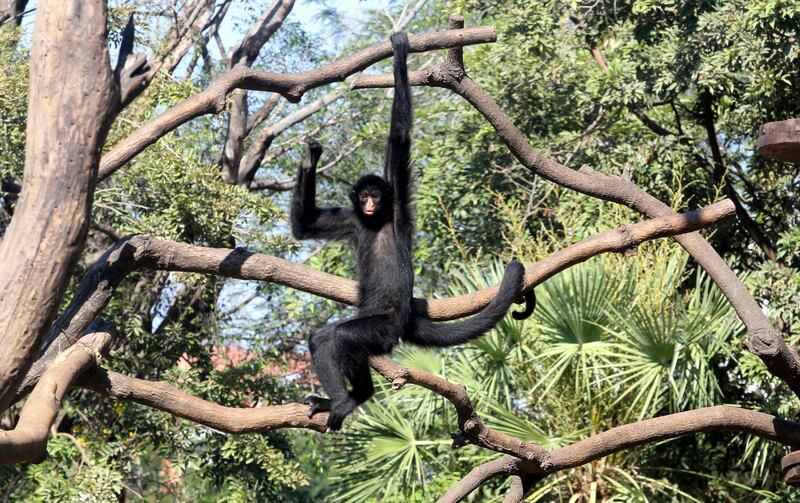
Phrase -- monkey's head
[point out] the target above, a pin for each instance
(372, 200)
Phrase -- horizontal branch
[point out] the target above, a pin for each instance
(163, 396)
(27, 443)
(291, 85)
(725, 418)
(141, 251)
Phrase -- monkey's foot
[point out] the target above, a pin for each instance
(340, 411)
(317, 403)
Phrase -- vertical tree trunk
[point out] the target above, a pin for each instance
(69, 110)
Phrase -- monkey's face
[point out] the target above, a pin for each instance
(370, 200)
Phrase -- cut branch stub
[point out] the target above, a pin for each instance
(780, 140)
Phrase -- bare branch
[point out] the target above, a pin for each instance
(27, 443)
(245, 53)
(505, 465)
(251, 160)
(163, 396)
(291, 86)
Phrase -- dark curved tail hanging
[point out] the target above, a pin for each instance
(530, 305)
(430, 333)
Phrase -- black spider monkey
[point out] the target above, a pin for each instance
(381, 225)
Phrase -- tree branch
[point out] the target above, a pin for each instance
(163, 396)
(27, 443)
(137, 252)
(291, 86)
(725, 418)
(473, 430)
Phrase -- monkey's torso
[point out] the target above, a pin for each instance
(385, 272)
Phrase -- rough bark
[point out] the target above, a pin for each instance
(70, 100)
(27, 443)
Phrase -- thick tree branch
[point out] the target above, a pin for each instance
(27, 443)
(291, 86)
(163, 396)
(717, 418)
(137, 252)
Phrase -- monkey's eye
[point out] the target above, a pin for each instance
(376, 195)
(363, 196)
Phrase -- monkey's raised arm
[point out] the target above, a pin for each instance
(398, 151)
(308, 221)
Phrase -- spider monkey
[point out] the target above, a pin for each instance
(381, 226)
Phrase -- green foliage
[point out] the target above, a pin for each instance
(13, 105)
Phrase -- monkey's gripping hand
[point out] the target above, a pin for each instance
(312, 156)
(400, 45)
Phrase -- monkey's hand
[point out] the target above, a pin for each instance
(400, 44)
(317, 403)
(312, 157)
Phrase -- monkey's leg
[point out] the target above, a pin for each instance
(361, 380)
(322, 347)
(355, 340)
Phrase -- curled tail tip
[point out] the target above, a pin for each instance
(530, 305)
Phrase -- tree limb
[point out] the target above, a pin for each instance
(99, 284)
(27, 443)
(292, 86)
(163, 396)
(473, 430)
(717, 418)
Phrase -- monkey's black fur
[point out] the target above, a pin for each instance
(381, 226)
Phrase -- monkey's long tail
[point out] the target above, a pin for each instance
(429, 333)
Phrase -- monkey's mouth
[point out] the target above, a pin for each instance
(369, 212)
